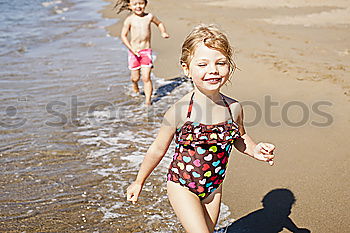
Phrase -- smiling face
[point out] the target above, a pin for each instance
(208, 68)
(138, 6)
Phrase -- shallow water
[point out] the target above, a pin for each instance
(72, 135)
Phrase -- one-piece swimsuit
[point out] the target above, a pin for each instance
(201, 154)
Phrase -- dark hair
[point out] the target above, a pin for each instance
(122, 5)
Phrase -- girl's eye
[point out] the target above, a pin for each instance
(222, 63)
(202, 65)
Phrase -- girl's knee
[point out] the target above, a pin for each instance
(135, 75)
(146, 78)
(146, 74)
(135, 78)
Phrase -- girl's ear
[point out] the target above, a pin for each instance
(185, 69)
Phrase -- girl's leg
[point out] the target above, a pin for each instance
(188, 208)
(135, 77)
(211, 206)
(147, 83)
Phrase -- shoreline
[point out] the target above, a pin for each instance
(280, 66)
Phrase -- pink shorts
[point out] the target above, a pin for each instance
(144, 60)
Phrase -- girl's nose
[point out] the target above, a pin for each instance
(212, 69)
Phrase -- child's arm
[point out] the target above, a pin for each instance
(290, 225)
(153, 156)
(160, 26)
(124, 35)
(245, 144)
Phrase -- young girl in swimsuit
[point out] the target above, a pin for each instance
(206, 124)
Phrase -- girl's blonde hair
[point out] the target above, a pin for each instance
(122, 5)
(212, 37)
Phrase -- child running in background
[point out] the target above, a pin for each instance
(206, 124)
(139, 45)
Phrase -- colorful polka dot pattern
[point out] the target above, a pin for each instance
(201, 156)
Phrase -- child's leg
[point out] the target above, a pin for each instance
(147, 83)
(212, 208)
(135, 77)
(188, 208)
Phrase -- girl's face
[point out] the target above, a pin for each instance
(209, 69)
(137, 6)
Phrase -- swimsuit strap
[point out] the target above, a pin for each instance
(189, 111)
(190, 107)
(228, 107)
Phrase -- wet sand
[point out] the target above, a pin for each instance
(293, 82)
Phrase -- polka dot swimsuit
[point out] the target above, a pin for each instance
(201, 154)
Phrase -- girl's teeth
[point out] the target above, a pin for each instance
(214, 80)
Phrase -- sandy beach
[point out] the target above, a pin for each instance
(293, 81)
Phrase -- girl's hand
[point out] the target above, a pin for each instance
(264, 152)
(133, 192)
(136, 53)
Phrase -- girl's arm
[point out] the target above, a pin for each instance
(154, 155)
(245, 144)
(160, 26)
(124, 36)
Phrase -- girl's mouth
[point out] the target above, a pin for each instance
(213, 80)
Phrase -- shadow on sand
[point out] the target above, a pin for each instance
(272, 218)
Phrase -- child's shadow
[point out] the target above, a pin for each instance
(272, 218)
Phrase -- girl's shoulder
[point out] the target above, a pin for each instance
(235, 105)
(184, 99)
(230, 100)
(129, 19)
(148, 16)
(181, 106)
(177, 113)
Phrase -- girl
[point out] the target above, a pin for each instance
(138, 25)
(206, 124)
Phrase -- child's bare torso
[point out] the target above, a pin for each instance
(140, 31)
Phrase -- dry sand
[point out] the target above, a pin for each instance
(294, 54)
